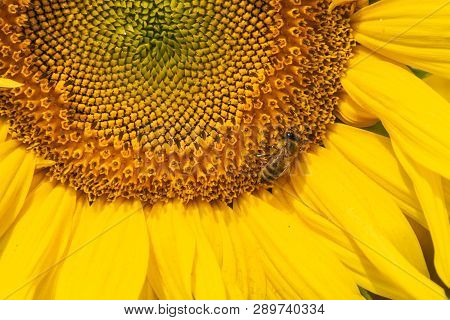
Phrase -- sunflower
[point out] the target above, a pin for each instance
(232, 149)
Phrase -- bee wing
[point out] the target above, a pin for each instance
(285, 170)
(290, 167)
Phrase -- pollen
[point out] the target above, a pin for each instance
(160, 99)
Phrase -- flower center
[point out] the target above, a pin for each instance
(161, 99)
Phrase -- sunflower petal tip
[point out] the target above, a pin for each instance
(10, 84)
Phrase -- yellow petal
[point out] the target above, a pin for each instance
(388, 219)
(37, 241)
(3, 131)
(296, 264)
(230, 252)
(352, 114)
(8, 83)
(17, 167)
(108, 254)
(183, 264)
(413, 32)
(342, 244)
(428, 186)
(269, 281)
(247, 274)
(413, 114)
(362, 209)
(336, 3)
(38, 178)
(172, 251)
(231, 263)
(440, 85)
(373, 155)
(42, 163)
(424, 237)
(147, 292)
(207, 277)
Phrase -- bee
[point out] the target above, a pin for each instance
(280, 162)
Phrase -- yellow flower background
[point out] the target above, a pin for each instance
(363, 214)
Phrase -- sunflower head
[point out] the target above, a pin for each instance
(166, 99)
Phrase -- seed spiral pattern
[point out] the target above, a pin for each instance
(160, 99)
